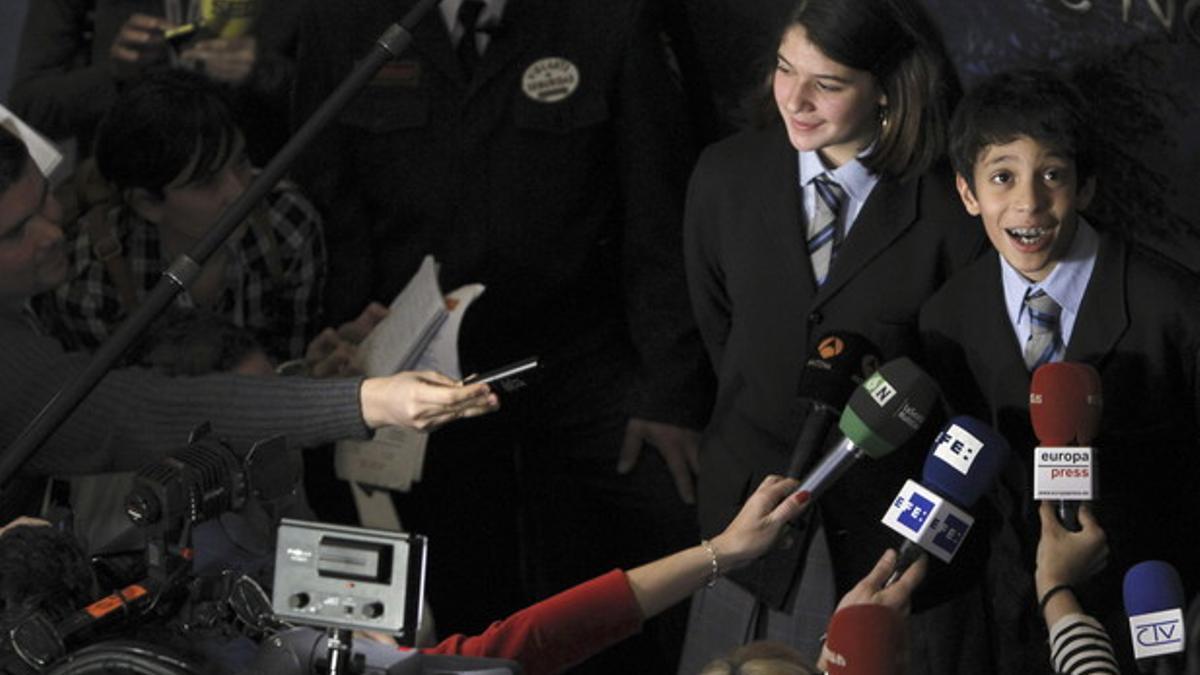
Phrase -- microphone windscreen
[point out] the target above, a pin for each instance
(1152, 586)
(889, 407)
(964, 460)
(1057, 403)
(1094, 405)
(865, 640)
(838, 363)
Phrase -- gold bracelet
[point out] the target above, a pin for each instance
(715, 572)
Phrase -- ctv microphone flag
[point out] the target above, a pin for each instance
(882, 414)
(932, 515)
(1154, 604)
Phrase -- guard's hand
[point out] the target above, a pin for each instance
(422, 400)
(679, 447)
(139, 43)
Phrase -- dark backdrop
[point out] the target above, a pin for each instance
(1142, 56)
(12, 15)
(1141, 70)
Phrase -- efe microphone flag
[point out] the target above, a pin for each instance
(932, 515)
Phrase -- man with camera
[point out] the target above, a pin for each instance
(134, 416)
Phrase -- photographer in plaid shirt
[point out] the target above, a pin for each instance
(173, 158)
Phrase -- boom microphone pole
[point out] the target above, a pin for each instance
(184, 270)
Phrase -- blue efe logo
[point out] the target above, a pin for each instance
(915, 512)
(951, 535)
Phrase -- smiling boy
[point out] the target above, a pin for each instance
(1060, 290)
(1028, 196)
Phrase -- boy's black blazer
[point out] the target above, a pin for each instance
(1139, 326)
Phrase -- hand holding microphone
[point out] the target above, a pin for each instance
(838, 364)
(1065, 558)
(882, 413)
(759, 523)
(878, 588)
(867, 635)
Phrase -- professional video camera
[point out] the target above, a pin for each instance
(171, 501)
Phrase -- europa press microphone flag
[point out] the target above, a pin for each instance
(1154, 604)
(932, 515)
(882, 414)
(1064, 408)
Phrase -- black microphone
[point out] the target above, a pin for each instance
(883, 413)
(836, 366)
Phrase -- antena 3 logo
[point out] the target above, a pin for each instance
(879, 389)
(831, 347)
(1157, 633)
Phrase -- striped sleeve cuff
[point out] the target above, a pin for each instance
(1079, 644)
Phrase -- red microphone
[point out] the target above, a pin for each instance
(1095, 403)
(1056, 403)
(865, 640)
(1064, 408)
